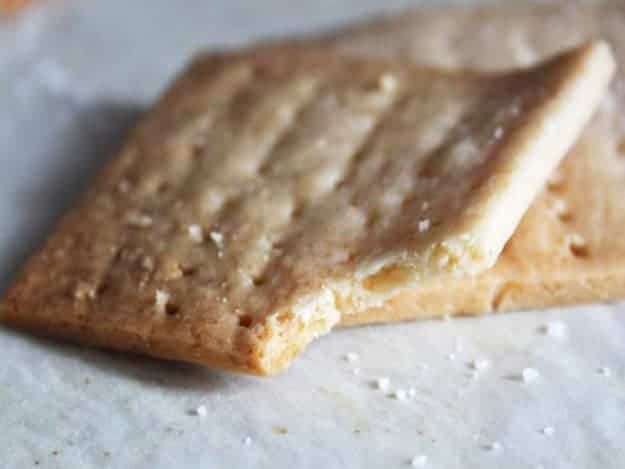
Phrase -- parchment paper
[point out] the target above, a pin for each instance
(74, 76)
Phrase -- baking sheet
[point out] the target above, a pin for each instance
(74, 76)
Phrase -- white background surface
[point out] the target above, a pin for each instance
(73, 78)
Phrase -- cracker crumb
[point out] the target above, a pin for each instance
(419, 461)
(605, 371)
(424, 225)
(548, 431)
(196, 233)
(351, 357)
(382, 384)
(388, 82)
(480, 364)
(161, 300)
(529, 375)
(138, 219)
(201, 411)
(556, 329)
(280, 430)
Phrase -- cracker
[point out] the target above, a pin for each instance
(569, 246)
(267, 193)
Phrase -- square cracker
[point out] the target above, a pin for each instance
(569, 246)
(269, 192)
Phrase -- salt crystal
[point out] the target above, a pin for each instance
(412, 392)
(548, 431)
(419, 461)
(123, 186)
(480, 364)
(399, 394)
(556, 329)
(382, 383)
(451, 356)
(423, 225)
(494, 446)
(605, 371)
(201, 411)
(217, 238)
(529, 375)
(161, 300)
(196, 234)
(247, 441)
(560, 207)
(388, 82)
(351, 357)
(139, 220)
(498, 133)
(356, 371)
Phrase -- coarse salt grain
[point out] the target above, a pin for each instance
(195, 233)
(451, 356)
(412, 392)
(201, 411)
(399, 394)
(351, 357)
(217, 238)
(419, 461)
(247, 441)
(388, 82)
(161, 299)
(356, 371)
(556, 329)
(423, 225)
(147, 263)
(498, 133)
(480, 364)
(138, 220)
(494, 446)
(560, 207)
(529, 375)
(382, 384)
(548, 431)
(605, 371)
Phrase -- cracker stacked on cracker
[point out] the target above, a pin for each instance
(273, 191)
(569, 246)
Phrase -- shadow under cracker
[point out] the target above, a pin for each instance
(85, 145)
(148, 371)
